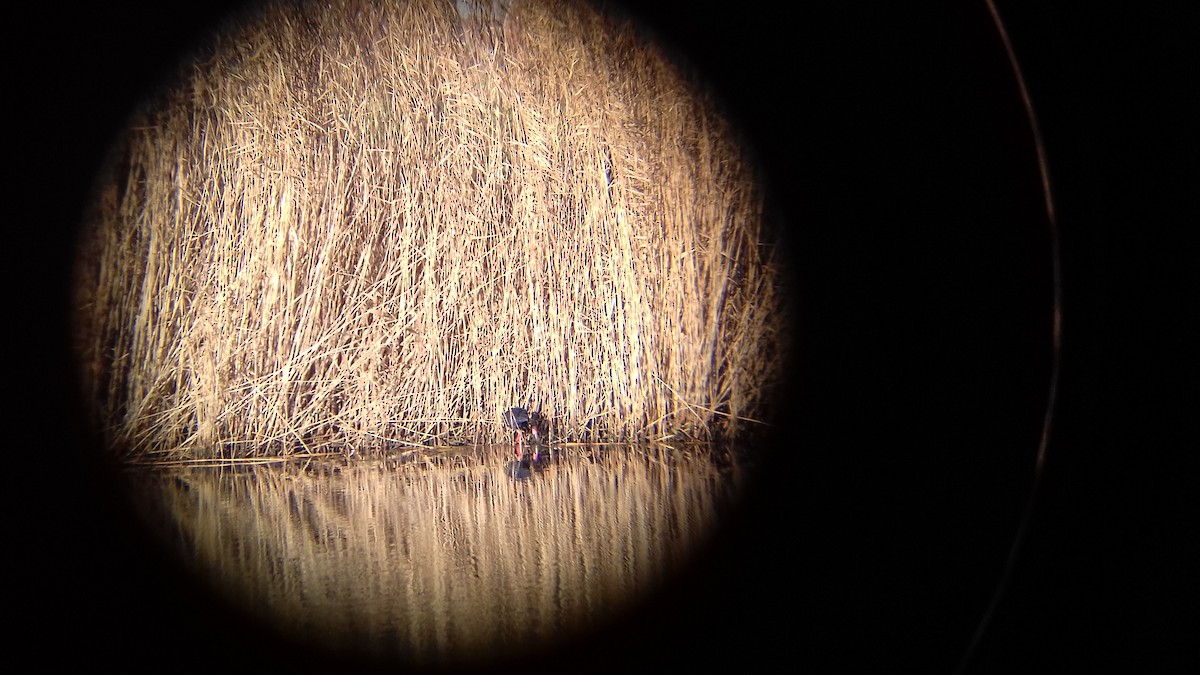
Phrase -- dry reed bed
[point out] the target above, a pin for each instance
(446, 564)
(370, 223)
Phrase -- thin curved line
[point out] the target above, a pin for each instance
(1056, 358)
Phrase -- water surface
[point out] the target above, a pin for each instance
(443, 559)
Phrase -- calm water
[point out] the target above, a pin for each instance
(441, 560)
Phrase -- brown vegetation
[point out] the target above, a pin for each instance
(371, 223)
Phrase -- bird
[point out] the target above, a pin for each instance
(523, 423)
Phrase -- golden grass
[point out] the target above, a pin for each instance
(363, 224)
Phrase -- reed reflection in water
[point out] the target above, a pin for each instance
(447, 559)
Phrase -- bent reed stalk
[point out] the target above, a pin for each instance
(364, 224)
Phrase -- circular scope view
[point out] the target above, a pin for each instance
(423, 329)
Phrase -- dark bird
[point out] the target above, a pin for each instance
(523, 423)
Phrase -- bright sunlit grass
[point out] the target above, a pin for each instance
(370, 223)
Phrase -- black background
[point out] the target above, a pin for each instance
(900, 158)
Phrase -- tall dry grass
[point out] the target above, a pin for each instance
(365, 223)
